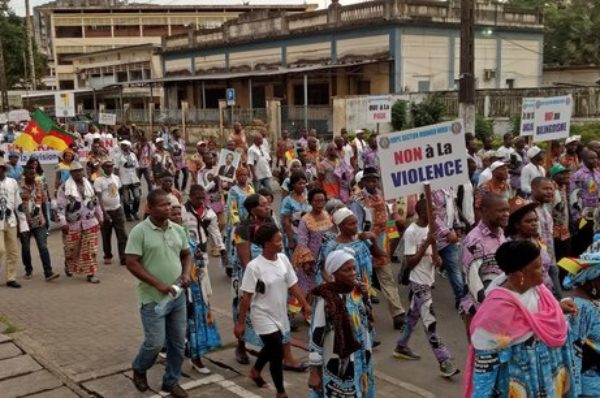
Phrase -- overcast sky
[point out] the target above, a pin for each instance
(19, 5)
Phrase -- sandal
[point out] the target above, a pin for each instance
(93, 279)
(259, 381)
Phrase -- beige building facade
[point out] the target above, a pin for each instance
(370, 48)
(68, 28)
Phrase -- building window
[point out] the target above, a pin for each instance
(66, 84)
(98, 31)
(68, 31)
(155, 30)
(363, 87)
(65, 59)
(318, 94)
(510, 84)
(135, 75)
(178, 29)
(213, 95)
(129, 30)
(424, 86)
(258, 97)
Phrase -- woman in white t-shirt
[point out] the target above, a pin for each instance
(267, 281)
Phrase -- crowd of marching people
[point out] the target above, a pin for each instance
(519, 244)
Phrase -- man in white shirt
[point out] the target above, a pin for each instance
(360, 146)
(9, 201)
(507, 148)
(127, 164)
(533, 169)
(259, 163)
(107, 188)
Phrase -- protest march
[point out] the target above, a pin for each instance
(314, 233)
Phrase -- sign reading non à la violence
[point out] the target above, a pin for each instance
(552, 118)
(436, 154)
(528, 116)
(108, 119)
(379, 109)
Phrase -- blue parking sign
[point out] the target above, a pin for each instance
(230, 95)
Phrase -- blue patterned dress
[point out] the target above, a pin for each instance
(342, 377)
(236, 212)
(202, 332)
(585, 330)
(296, 210)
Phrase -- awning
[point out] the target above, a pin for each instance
(258, 73)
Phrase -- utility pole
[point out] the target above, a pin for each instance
(466, 89)
(29, 37)
(3, 83)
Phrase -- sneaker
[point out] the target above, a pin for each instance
(52, 277)
(162, 354)
(202, 370)
(27, 276)
(107, 260)
(448, 369)
(139, 381)
(13, 284)
(405, 353)
(175, 390)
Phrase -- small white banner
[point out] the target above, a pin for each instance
(108, 119)
(552, 118)
(379, 109)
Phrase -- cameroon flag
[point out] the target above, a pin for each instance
(42, 130)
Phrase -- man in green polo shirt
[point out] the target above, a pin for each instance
(159, 256)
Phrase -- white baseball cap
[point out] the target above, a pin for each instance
(497, 164)
(534, 151)
(573, 138)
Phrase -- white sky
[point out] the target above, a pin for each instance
(19, 5)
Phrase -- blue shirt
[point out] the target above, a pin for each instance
(15, 172)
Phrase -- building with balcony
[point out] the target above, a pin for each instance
(65, 29)
(374, 47)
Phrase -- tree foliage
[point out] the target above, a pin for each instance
(483, 127)
(430, 111)
(14, 43)
(570, 30)
(400, 115)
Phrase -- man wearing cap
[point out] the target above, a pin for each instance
(15, 170)
(372, 214)
(107, 188)
(570, 159)
(79, 215)
(126, 163)
(259, 164)
(583, 196)
(359, 147)
(10, 200)
(532, 170)
(33, 222)
(162, 161)
(498, 184)
(560, 211)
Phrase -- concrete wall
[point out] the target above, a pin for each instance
(587, 76)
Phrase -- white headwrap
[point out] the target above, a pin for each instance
(337, 258)
(341, 214)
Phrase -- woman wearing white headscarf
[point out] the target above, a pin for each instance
(364, 246)
(340, 346)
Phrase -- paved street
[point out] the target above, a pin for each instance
(88, 335)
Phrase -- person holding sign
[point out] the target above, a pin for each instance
(372, 214)
(418, 251)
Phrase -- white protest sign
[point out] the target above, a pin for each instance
(379, 109)
(44, 157)
(552, 118)
(435, 153)
(108, 119)
(528, 116)
(64, 104)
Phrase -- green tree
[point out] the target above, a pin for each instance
(570, 30)
(430, 111)
(400, 115)
(14, 43)
(483, 127)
